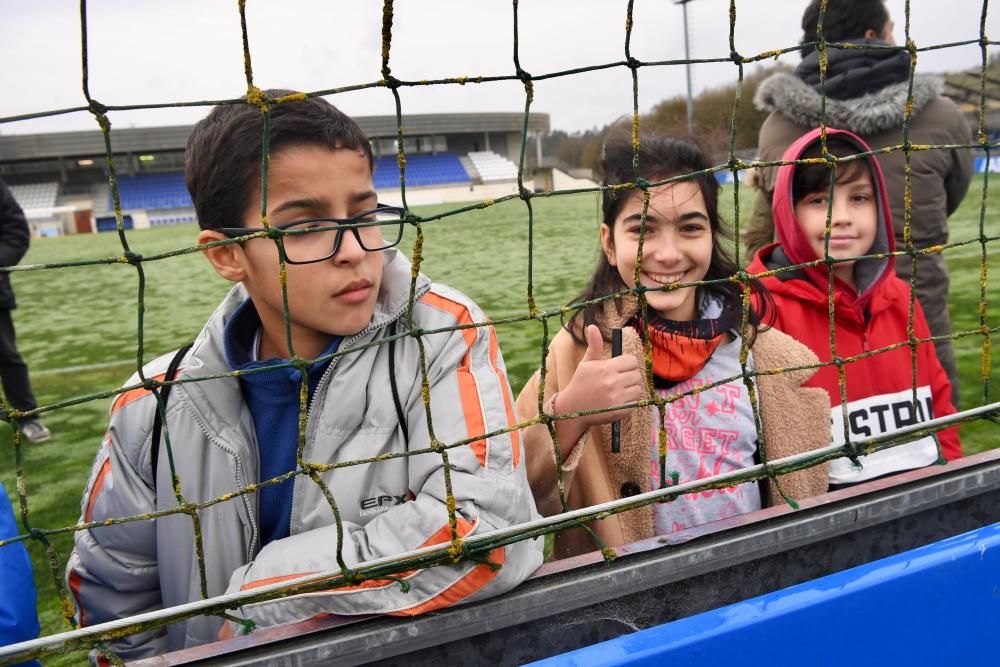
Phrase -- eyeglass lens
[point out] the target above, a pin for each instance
(315, 246)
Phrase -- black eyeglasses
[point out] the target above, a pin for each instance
(317, 239)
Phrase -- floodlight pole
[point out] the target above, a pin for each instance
(687, 65)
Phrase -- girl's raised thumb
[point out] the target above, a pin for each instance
(595, 344)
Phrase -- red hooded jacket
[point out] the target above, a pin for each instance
(871, 317)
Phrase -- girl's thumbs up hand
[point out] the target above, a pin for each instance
(601, 383)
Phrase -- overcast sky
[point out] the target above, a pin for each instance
(153, 51)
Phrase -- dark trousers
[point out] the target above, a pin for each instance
(13, 371)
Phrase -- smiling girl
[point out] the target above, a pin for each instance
(695, 335)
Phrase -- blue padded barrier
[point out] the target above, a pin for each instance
(936, 605)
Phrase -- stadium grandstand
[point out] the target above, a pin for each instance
(61, 179)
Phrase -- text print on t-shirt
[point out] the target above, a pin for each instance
(708, 433)
(879, 415)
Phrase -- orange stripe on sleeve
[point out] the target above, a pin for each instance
(468, 390)
(462, 527)
(471, 582)
(94, 492)
(368, 583)
(74, 587)
(456, 310)
(273, 580)
(474, 580)
(131, 395)
(515, 436)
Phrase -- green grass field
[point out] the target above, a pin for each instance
(78, 327)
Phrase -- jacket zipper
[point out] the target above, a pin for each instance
(860, 313)
(240, 484)
(325, 378)
(255, 532)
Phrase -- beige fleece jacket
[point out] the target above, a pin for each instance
(592, 474)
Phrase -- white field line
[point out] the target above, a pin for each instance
(82, 368)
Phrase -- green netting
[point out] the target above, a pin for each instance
(478, 547)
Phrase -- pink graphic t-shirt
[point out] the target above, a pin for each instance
(708, 433)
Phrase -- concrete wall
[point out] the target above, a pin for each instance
(452, 194)
(563, 181)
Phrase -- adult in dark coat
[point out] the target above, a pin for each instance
(14, 239)
(866, 93)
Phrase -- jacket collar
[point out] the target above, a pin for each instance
(219, 403)
(867, 114)
(853, 72)
(795, 285)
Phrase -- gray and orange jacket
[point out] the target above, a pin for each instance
(386, 508)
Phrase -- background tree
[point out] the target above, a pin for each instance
(713, 110)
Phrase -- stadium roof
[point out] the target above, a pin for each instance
(90, 143)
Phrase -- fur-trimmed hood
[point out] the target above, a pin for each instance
(866, 115)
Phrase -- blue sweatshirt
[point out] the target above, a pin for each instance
(273, 399)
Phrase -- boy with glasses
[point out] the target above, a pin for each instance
(347, 290)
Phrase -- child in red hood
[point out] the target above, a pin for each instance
(871, 306)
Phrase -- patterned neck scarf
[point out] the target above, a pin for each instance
(681, 349)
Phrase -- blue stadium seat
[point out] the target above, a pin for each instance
(167, 190)
(153, 191)
(441, 169)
